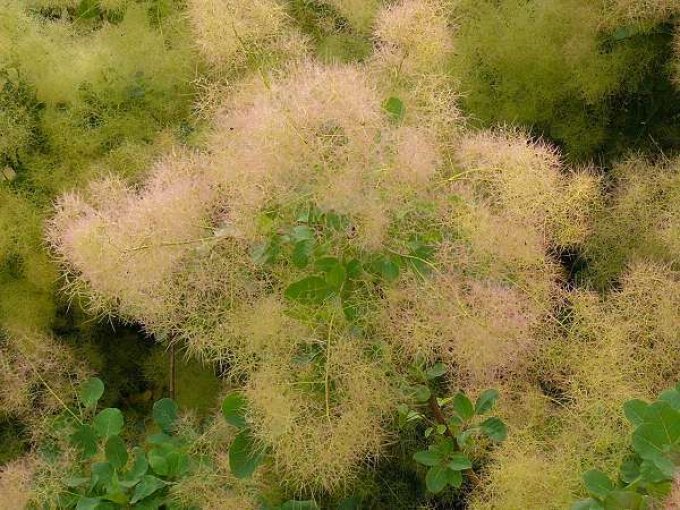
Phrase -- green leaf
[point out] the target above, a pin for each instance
(629, 471)
(116, 496)
(665, 466)
(671, 397)
(234, 409)
(436, 479)
(302, 233)
(152, 503)
(116, 453)
(395, 107)
(108, 422)
(459, 462)
(85, 439)
(428, 457)
(244, 455)
(421, 393)
(650, 473)
(385, 267)
(335, 277)
(587, 504)
(454, 477)
(300, 505)
(302, 251)
(622, 499)
(659, 433)
(463, 406)
(597, 483)
(166, 460)
(486, 401)
(311, 290)
(436, 370)
(102, 474)
(140, 464)
(635, 411)
(88, 503)
(91, 391)
(165, 413)
(495, 429)
(146, 487)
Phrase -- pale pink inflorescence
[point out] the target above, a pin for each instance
(414, 35)
(321, 134)
(123, 243)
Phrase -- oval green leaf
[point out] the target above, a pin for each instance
(244, 455)
(91, 391)
(427, 458)
(116, 452)
(234, 409)
(459, 462)
(486, 401)
(146, 487)
(436, 370)
(635, 411)
(495, 429)
(108, 422)
(85, 439)
(165, 413)
(309, 291)
(463, 406)
(597, 484)
(421, 393)
(395, 108)
(436, 479)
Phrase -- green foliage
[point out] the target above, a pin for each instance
(647, 475)
(317, 246)
(395, 107)
(245, 455)
(455, 427)
(110, 474)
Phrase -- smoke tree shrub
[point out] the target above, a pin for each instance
(291, 252)
(339, 226)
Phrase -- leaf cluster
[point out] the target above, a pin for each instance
(112, 475)
(456, 425)
(648, 474)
